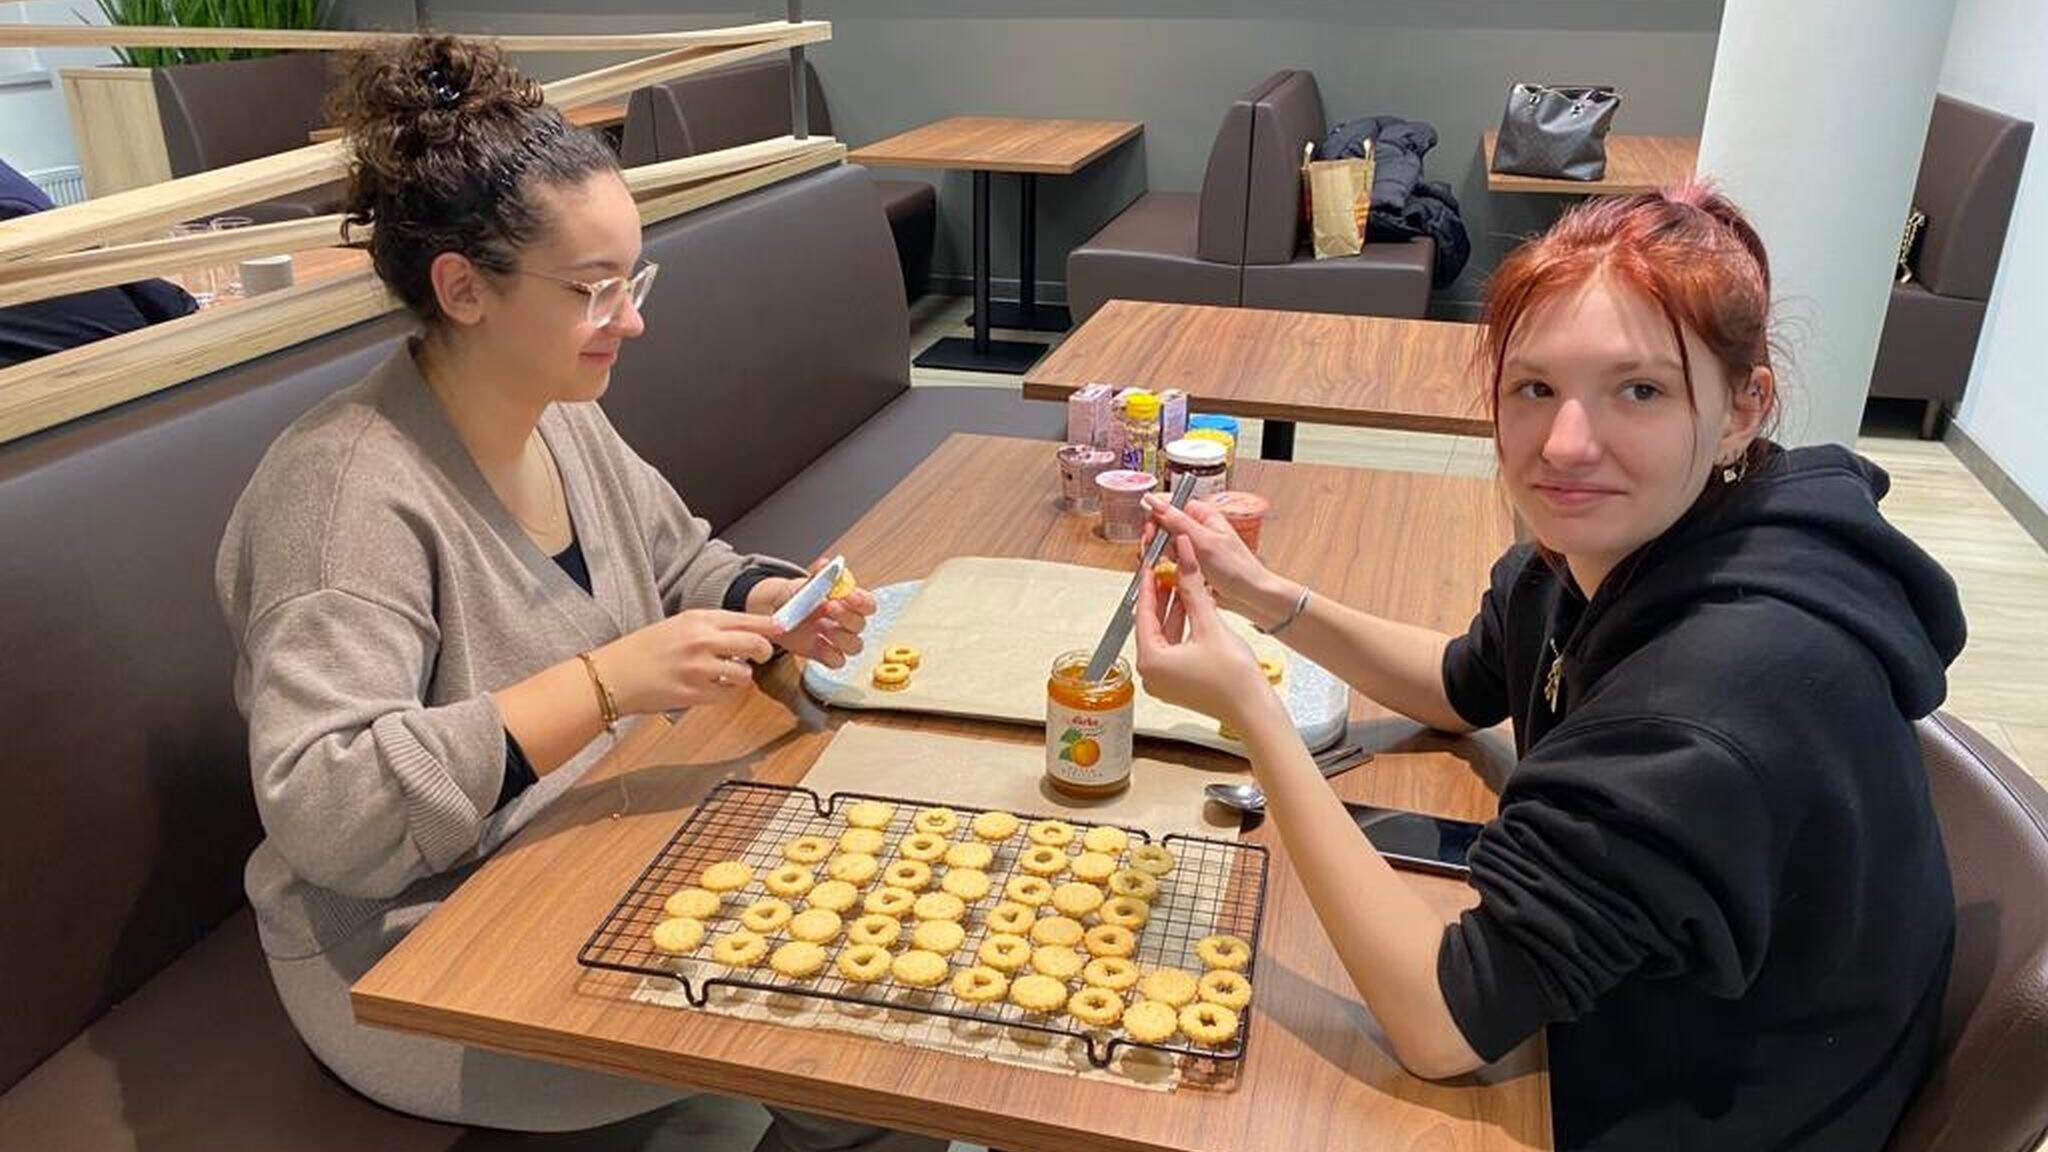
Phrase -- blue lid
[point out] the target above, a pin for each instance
(1210, 420)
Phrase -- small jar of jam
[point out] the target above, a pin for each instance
(1088, 727)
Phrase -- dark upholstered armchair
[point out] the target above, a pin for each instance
(1969, 176)
(226, 112)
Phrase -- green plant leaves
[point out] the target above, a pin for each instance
(270, 14)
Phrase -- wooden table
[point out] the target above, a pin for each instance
(495, 966)
(1634, 164)
(603, 115)
(1359, 371)
(1029, 148)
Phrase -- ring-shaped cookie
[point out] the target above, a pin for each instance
(902, 654)
(1051, 833)
(874, 931)
(1112, 972)
(807, 849)
(864, 963)
(980, 984)
(1095, 1007)
(1211, 1025)
(1031, 891)
(1110, 940)
(1011, 918)
(1125, 912)
(1230, 953)
(1222, 986)
(890, 901)
(890, 677)
(1004, 953)
(1152, 859)
(923, 847)
(741, 949)
(1043, 860)
(766, 915)
(938, 821)
(1134, 884)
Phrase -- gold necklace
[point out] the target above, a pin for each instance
(557, 498)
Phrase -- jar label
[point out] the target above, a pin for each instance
(1087, 748)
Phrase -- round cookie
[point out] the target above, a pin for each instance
(969, 884)
(1172, 987)
(1150, 1022)
(726, 876)
(833, 896)
(798, 959)
(1211, 1025)
(816, 925)
(741, 949)
(1125, 912)
(789, 880)
(941, 936)
(938, 906)
(1094, 867)
(766, 915)
(902, 654)
(1151, 859)
(892, 902)
(1043, 860)
(1056, 961)
(1030, 891)
(1037, 993)
(695, 903)
(980, 984)
(919, 969)
(1004, 952)
(994, 827)
(678, 934)
(864, 841)
(1110, 940)
(1095, 1007)
(937, 821)
(1224, 987)
(1111, 972)
(1076, 899)
(864, 963)
(1274, 669)
(1134, 884)
(1051, 833)
(1012, 918)
(1223, 952)
(856, 868)
(912, 876)
(1107, 839)
(874, 931)
(807, 849)
(923, 847)
(1056, 930)
(869, 814)
(890, 677)
(969, 854)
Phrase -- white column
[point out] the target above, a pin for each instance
(1814, 125)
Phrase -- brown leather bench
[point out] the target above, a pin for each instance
(1969, 177)
(1239, 241)
(230, 111)
(772, 386)
(749, 102)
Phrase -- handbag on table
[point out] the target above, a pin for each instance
(1558, 131)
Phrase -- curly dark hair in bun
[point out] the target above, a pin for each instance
(450, 142)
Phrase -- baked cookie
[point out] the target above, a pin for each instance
(890, 901)
(941, 936)
(912, 876)
(1134, 884)
(1111, 972)
(1055, 961)
(726, 876)
(994, 827)
(807, 849)
(766, 915)
(1037, 993)
(1095, 1007)
(1093, 867)
(833, 896)
(890, 677)
(856, 868)
(969, 854)
(923, 847)
(1151, 859)
(1110, 940)
(678, 934)
(865, 841)
(1150, 1022)
(1172, 987)
(1211, 1025)
(980, 984)
(919, 969)
(938, 906)
(1107, 839)
(1004, 952)
(864, 963)
(937, 821)
(1056, 930)
(874, 931)
(1012, 918)
(902, 654)
(1225, 952)
(816, 925)
(695, 903)
(1051, 833)
(740, 949)
(1043, 860)
(1273, 668)
(1077, 899)
(1122, 911)
(843, 585)
(1030, 891)
(1224, 987)
(798, 959)
(789, 880)
(969, 884)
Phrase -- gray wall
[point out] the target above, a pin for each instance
(1176, 65)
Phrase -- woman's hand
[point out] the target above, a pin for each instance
(831, 634)
(695, 657)
(1187, 655)
(1236, 578)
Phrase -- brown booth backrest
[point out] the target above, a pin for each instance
(234, 110)
(1219, 225)
(720, 109)
(1969, 177)
(1285, 118)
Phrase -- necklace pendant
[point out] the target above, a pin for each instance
(1553, 681)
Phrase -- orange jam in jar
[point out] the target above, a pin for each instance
(1088, 727)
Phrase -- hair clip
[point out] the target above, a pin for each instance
(446, 95)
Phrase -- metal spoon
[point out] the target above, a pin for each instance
(1246, 796)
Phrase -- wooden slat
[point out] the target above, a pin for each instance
(24, 280)
(622, 78)
(651, 180)
(689, 200)
(156, 36)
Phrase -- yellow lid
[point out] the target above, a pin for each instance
(1217, 434)
(1143, 405)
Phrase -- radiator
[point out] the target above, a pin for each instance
(64, 185)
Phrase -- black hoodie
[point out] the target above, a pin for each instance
(1716, 877)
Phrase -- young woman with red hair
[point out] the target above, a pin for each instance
(1715, 880)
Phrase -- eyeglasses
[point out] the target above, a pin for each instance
(604, 299)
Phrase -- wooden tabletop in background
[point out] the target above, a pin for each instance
(1000, 144)
(496, 965)
(1634, 164)
(1360, 371)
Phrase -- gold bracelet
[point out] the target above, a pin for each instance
(607, 709)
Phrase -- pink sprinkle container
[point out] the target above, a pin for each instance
(1123, 508)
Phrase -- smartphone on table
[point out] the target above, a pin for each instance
(1417, 841)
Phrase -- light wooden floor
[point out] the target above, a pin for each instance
(1997, 686)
